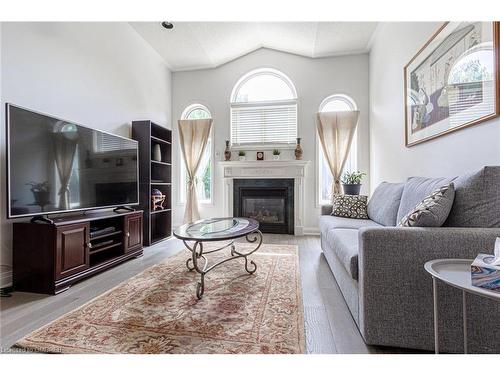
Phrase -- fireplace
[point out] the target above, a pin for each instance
(270, 201)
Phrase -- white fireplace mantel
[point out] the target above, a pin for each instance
(295, 169)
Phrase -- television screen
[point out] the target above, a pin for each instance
(57, 166)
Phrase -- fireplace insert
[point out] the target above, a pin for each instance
(270, 201)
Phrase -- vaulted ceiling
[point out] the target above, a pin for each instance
(198, 45)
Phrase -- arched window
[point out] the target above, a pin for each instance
(263, 109)
(204, 182)
(333, 103)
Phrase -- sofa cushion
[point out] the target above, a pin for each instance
(344, 243)
(477, 200)
(433, 210)
(327, 223)
(415, 190)
(384, 203)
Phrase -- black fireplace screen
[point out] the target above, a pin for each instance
(269, 201)
(265, 210)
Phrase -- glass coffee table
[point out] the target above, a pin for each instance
(218, 229)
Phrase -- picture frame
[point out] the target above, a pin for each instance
(260, 155)
(453, 81)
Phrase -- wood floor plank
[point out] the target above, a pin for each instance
(319, 338)
(348, 339)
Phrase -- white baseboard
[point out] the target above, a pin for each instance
(311, 231)
(6, 279)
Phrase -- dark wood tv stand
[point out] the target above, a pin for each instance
(49, 257)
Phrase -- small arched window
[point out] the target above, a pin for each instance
(204, 177)
(334, 103)
(195, 112)
(337, 102)
(263, 109)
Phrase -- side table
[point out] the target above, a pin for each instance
(456, 273)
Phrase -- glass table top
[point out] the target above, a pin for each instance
(216, 229)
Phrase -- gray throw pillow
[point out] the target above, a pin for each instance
(415, 190)
(433, 210)
(384, 203)
(351, 206)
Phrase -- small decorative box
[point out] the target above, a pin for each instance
(484, 274)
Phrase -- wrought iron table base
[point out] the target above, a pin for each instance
(198, 253)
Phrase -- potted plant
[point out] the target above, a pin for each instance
(276, 154)
(242, 155)
(351, 182)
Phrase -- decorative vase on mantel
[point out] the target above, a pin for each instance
(227, 152)
(298, 150)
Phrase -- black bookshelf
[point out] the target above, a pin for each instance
(154, 174)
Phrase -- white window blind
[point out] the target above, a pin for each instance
(261, 123)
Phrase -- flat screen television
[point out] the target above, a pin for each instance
(56, 166)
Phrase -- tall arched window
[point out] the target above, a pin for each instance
(333, 103)
(263, 109)
(204, 174)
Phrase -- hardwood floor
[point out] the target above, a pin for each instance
(328, 322)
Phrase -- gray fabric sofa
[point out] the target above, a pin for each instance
(379, 267)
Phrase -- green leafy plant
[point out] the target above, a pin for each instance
(276, 152)
(37, 187)
(242, 153)
(353, 178)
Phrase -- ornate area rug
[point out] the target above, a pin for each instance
(157, 311)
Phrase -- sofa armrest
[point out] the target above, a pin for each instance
(326, 209)
(395, 291)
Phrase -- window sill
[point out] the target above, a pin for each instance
(325, 203)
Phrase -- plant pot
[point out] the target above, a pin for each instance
(276, 157)
(242, 158)
(351, 189)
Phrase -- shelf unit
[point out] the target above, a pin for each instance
(154, 174)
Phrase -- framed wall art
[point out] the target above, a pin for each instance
(453, 81)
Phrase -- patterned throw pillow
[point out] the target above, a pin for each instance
(352, 206)
(433, 210)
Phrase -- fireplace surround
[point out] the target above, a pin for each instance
(269, 201)
(266, 169)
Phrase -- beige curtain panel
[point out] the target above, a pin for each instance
(336, 131)
(193, 136)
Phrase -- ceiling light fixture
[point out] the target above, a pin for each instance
(167, 25)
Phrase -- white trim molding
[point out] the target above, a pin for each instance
(311, 231)
(295, 169)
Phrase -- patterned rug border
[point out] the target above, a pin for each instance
(267, 249)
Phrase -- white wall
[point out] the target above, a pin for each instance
(458, 152)
(102, 75)
(314, 79)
